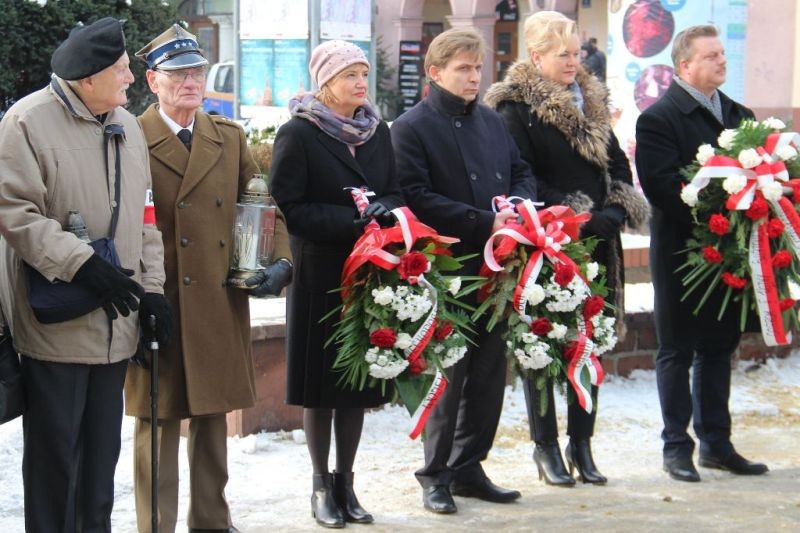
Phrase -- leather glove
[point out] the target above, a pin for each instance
(616, 212)
(601, 225)
(158, 306)
(270, 280)
(380, 212)
(117, 291)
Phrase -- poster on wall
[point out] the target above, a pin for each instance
(410, 73)
(276, 19)
(640, 35)
(273, 71)
(345, 19)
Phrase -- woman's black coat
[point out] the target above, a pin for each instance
(308, 175)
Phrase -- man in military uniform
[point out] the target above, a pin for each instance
(71, 147)
(200, 165)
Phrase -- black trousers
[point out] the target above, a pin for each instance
(72, 441)
(544, 427)
(460, 430)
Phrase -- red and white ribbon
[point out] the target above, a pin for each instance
(584, 358)
(776, 141)
(361, 198)
(764, 287)
(423, 411)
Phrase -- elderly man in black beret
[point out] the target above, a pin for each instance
(69, 149)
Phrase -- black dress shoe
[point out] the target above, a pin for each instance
(734, 463)
(551, 466)
(681, 468)
(323, 503)
(226, 530)
(347, 501)
(579, 455)
(437, 499)
(483, 489)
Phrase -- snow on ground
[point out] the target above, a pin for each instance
(270, 472)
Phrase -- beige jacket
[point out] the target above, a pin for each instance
(53, 159)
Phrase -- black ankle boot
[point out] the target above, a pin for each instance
(347, 501)
(579, 455)
(551, 466)
(323, 503)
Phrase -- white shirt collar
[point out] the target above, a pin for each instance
(174, 126)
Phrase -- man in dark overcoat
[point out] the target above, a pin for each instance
(453, 156)
(200, 165)
(692, 112)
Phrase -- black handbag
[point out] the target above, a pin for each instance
(12, 398)
(62, 301)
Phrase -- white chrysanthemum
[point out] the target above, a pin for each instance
(704, 153)
(559, 331)
(453, 355)
(772, 191)
(454, 286)
(786, 152)
(382, 360)
(403, 341)
(773, 123)
(689, 196)
(534, 294)
(794, 290)
(383, 296)
(401, 291)
(439, 348)
(390, 371)
(519, 353)
(749, 158)
(726, 138)
(734, 183)
(534, 357)
(528, 337)
(592, 269)
(372, 355)
(605, 337)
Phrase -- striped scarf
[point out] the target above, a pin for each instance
(354, 131)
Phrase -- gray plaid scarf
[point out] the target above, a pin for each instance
(354, 131)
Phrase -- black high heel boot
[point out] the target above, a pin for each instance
(323, 503)
(551, 466)
(347, 501)
(579, 455)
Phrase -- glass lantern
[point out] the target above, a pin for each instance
(253, 232)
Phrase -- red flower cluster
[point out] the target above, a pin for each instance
(444, 330)
(758, 209)
(412, 265)
(711, 254)
(781, 259)
(775, 228)
(733, 281)
(383, 338)
(564, 272)
(593, 305)
(785, 304)
(719, 224)
(541, 327)
(417, 366)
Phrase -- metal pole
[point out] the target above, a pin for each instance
(373, 55)
(153, 345)
(314, 12)
(237, 71)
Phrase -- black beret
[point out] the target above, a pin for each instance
(89, 49)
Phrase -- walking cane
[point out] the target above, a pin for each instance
(153, 346)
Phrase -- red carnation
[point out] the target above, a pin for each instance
(775, 228)
(383, 337)
(781, 259)
(758, 209)
(417, 366)
(712, 255)
(786, 303)
(412, 264)
(719, 224)
(564, 273)
(593, 306)
(444, 330)
(541, 326)
(570, 351)
(733, 281)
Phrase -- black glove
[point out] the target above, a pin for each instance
(616, 212)
(270, 280)
(602, 225)
(117, 291)
(380, 212)
(158, 306)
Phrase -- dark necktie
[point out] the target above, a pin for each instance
(186, 138)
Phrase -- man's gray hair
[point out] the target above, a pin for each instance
(682, 44)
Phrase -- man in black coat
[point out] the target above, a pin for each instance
(453, 156)
(692, 112)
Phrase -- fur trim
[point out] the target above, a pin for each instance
(636, 207)
(578, 201)
(587, 133)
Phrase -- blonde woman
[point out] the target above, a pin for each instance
(558, 115)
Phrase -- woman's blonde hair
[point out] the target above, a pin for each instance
(547, 29)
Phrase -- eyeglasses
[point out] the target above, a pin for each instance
(180, 76)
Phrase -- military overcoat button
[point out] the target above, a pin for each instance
(221, 243)
(187, 280)
(181, 205)
(184, 242)
(219, 202)
(473, 176)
